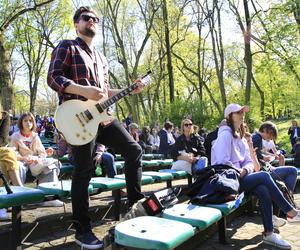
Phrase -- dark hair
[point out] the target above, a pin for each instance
(241, 129)
(270, 128)
(168, 125)
(80, 10)
(20, 121)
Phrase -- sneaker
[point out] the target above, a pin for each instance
(278, 222)
(88, 241)
(295, 219)
(3, 214)
(53, 203)
(275, 239)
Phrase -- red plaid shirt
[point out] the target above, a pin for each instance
(73, 61)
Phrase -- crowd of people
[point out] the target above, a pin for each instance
(78, 72)
(230, 144)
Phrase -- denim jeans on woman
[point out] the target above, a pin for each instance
(287, 174)
(116, 137)
(262, 185)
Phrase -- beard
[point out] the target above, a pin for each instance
(88, 32)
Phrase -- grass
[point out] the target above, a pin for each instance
(283, 139)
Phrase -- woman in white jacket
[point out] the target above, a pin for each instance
(231, 148)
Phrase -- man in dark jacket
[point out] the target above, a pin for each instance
(294, 132)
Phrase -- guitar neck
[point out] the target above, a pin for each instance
(110, 101)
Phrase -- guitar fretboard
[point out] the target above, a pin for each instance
(104, 105)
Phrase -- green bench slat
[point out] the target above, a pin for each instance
(149, 232)
(106, 184)
(20, 196)
(64, 158)
(66, 168)
(60, 188)
(145, 157)
(148, 156)
(158, 176)
(197, 216)
(177, 174)
(228, 207)
(165, 163)
(158, 156)
(145, 179)
(152, 163)
(119, 164)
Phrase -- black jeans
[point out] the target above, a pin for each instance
(117, 137)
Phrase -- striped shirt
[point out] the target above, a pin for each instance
(72, 61)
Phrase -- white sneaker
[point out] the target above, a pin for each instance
(275, 239)
(3, 214)
(278, 222)
(53, 203)
(295, 219)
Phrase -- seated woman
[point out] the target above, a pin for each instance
(231, 149)
(32, 154)
(155, 141)
(269, 148)
(187, 150)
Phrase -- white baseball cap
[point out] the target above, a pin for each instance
(233, 107)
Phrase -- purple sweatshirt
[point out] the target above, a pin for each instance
(231, 151)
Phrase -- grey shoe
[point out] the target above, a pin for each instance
(275, 239)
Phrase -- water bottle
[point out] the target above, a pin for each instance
(239, 200)
(98, 170)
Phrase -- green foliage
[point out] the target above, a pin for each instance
(283, 138)
(183, 108)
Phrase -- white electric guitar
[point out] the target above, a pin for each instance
(78, 120)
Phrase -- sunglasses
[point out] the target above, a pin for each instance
(86, 18)
(188, 124)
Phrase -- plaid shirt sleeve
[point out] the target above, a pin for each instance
(59, 68)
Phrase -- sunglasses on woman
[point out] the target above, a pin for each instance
(86, 18)
(188, 124)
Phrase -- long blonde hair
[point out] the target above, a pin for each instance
(182, 126)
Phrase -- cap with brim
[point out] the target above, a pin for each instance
(233, 107)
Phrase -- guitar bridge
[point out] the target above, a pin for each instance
(80, 121)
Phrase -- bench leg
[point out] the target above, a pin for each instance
(169, 184)
(117, 200)
(16, 228)
(190, 180)
(222, 230)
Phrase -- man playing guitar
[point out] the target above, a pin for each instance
(77, 71)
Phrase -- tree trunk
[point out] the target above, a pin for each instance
(217, 45)
(248, 55)
(6, 88)
(169, 52)
(262, 98)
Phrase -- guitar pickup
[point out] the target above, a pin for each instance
(88, 114)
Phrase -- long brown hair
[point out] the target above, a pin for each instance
(20, 121)
(241, 129)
